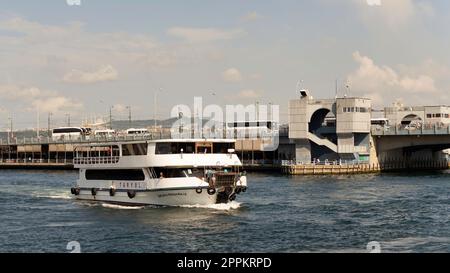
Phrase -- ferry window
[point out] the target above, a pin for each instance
(126, 150)
(187, 147)
(429, 115)
(222, 148)
(195, 172)
(170, 173)
(176, 173)
(123, 175)
(162, 148)
(204, 149)
(175, 148)
(140, 149)
(134, 149)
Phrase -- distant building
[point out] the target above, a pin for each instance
(423, 115)
(330, 129)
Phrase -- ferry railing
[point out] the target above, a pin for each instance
(96, 160)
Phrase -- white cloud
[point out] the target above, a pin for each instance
(17, 92)
(104, 73)
(385, 83)
(120, 108)
(394, 13)
(73, 46)
(57, 104)
(248, 94)
(232, 75)
(428, 67)
(31, 98)
(256, 76)
(204, 35)
(252, 16)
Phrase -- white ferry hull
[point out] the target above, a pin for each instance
(154, 173)
(182, 197)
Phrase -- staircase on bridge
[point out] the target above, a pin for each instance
(322, 142)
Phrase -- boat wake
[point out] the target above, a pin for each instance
(224, 207)
(220, 207)
(112, 206)
(64, 196)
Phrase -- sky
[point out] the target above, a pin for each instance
(81, 60)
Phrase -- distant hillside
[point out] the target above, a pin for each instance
(125, 124)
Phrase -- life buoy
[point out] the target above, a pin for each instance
(244, 189)
(211, 191)
(77, 191)
(112, 191)
(131, 194)
(199, 190)
(238, 190)
(232, 197)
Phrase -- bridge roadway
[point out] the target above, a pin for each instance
(391, 138)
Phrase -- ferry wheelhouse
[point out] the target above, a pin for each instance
(159, 172)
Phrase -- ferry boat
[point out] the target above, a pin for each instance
(159, 172)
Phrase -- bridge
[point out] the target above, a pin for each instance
(411, 147)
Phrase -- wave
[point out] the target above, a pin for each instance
(112, 206)
(228, 206)
(64, 196)
(412, 244)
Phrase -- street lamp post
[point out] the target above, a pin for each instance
(155, 105)
(10, 132)
(48, 123)
(110, 117)
(129, 116)
(68, 120)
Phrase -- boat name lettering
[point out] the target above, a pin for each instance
(171, 194)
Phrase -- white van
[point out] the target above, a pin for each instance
(107, 133)
(137, 132)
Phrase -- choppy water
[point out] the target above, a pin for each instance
(405, 213)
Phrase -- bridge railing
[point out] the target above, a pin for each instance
(81, 140)
(404, 131)
(36, 161)
(123, 138)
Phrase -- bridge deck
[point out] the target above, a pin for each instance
(399, 131)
